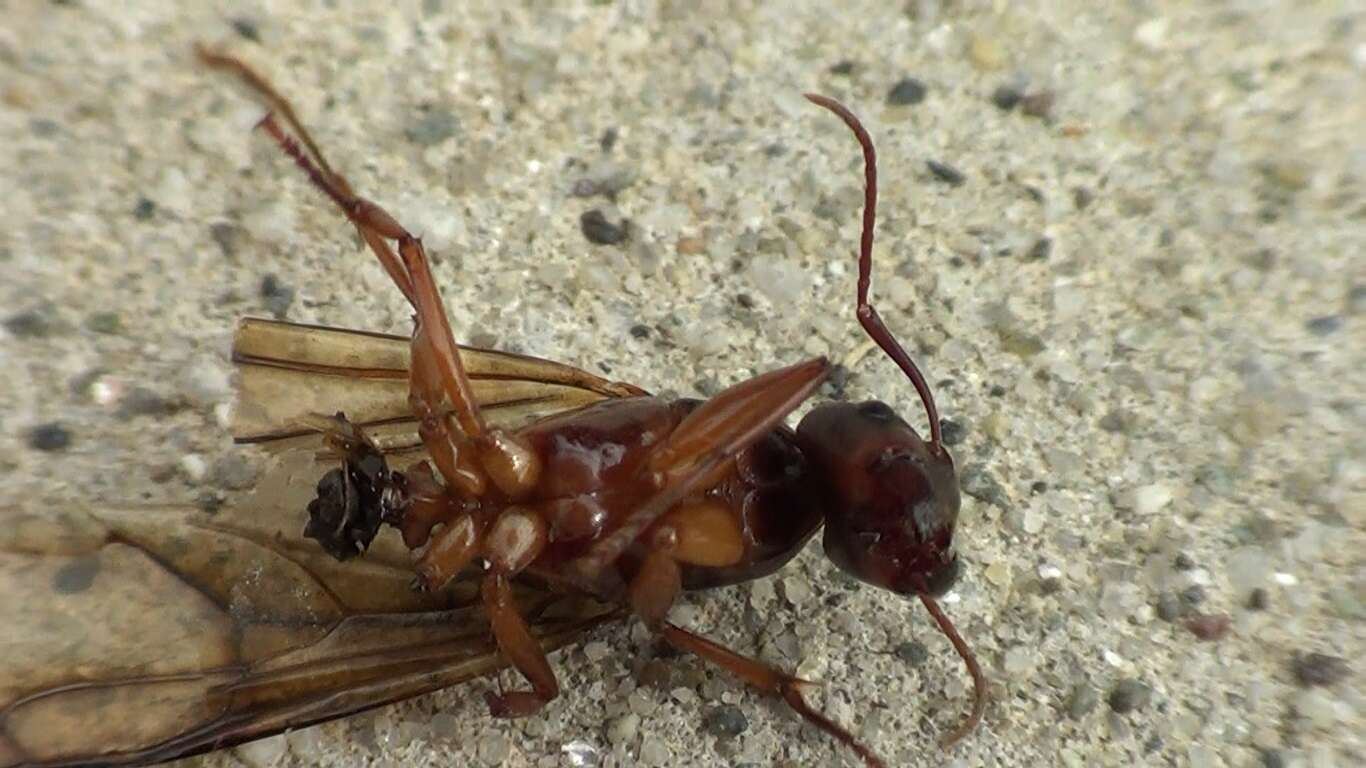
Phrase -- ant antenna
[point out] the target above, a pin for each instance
(867, 314)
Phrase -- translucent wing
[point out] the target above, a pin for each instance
(288, 370)
(139, 635)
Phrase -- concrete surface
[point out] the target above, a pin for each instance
(1144, 307)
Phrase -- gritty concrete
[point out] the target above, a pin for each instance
(1135, 276)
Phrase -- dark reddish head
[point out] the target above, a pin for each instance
(891, 498)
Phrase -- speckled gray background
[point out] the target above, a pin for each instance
(1144, 306)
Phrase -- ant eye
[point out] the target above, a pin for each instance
(876, 411)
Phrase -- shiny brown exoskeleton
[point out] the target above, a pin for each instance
(635, 498)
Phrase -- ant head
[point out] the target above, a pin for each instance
(892, 498)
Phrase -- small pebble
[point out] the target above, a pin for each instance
(30, 324)
(1319, 669)
(246, 29)
(1193, 595)
(276, 295)
(952, 431)
(912, 652)
(194, 467)
(1272, 758)
(843, 67)
(1169, 607)
(1084, 698)
(49, 438)
(108, 323)
(1039, 104)
(986, 53)
(494, 749)
(263, 753)
(654, 752)
(599, 230)
(1006, 97)
(1209, 627)
(1324, 326)
(906, 92)
(623, 730)
(945, 173)
(1129, 695)
(1183, 562)
(981, 485)
(1151, 499)
(1258, 599)
(726, 721)
(1040, 250)
(144, 210)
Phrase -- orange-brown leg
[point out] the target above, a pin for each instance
(521, 650)
(452, 428)
(766, 678)
(512, 543)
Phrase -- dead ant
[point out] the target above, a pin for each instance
(633, 499)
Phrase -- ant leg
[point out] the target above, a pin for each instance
(703, 534)
(310, 158)
(466, 452)
(766, 678)
(512, 543)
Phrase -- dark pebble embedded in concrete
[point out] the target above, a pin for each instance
(599, 230)
(1040, 250)
(946, 173)
(727, 721)
(31, 324)
(906, 92)
(912, 652)
(1258, 599)
(1129, 695)
(144, 209)
(1082, 197)
(1320, 669)
(639, 331)
(1006, 97)
(843, 67)
(76, 576)
(1324, 326)
(277, 296)
(1183, 561)
(246, 29)
(953, 431)
(49, 438)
